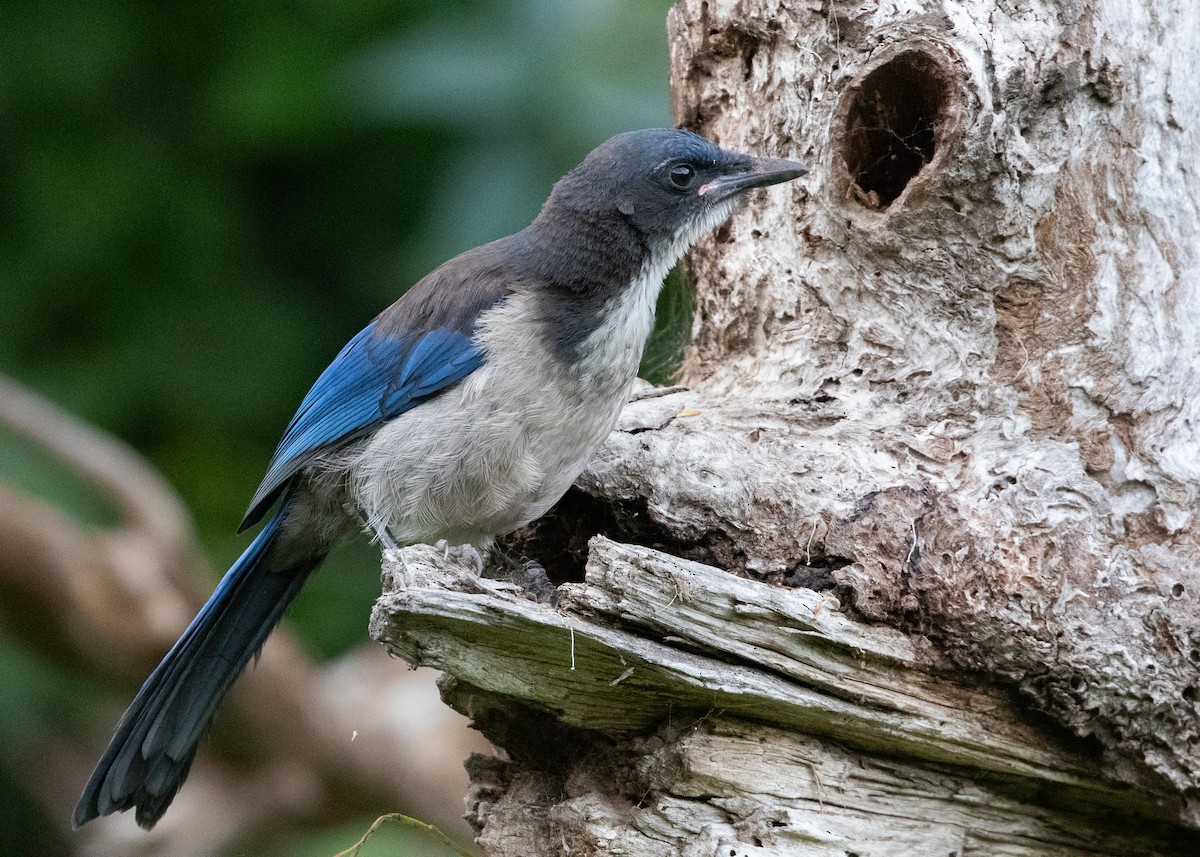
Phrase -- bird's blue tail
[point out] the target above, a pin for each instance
(155, 742)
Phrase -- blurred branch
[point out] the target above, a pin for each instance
(132, 586)
(300, 743)
(147, 504)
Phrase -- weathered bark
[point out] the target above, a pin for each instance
(669, 708)
(1011, 345)
(952, 381)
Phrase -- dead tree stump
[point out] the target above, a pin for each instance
(909, 563)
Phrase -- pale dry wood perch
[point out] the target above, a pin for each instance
(687, 705)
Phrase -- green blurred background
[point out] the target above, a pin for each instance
(199, 204)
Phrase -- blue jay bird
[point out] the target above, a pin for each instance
(462, 412)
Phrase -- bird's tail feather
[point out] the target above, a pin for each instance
(149, 756)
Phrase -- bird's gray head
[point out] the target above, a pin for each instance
(666, 184)
(643, 197)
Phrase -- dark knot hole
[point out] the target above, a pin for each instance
(892, 126)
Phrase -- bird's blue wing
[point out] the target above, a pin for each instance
(374, 379)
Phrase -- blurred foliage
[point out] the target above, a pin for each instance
(200, 203)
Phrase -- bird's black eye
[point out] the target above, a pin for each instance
(682, 176)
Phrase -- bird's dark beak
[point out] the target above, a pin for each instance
(761, 172)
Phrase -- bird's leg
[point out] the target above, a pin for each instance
(385, 537)
(382, 533)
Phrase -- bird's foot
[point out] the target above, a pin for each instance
(537, 584)
(475, 555)
(525, 573)
(465, 554)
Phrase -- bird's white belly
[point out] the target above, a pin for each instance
(499, 449)
(478, 461)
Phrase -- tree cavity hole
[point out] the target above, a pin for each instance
(892, 126)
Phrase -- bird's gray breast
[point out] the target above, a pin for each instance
(497, 450)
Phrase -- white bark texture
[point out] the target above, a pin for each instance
(949, 383)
